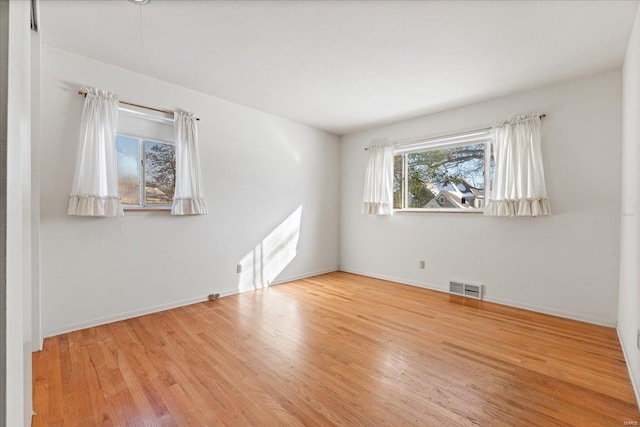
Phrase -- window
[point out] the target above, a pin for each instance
(442, 174)
(146, 172)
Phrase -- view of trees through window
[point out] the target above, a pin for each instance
(156, 161)
(160, 172)
(447, 178)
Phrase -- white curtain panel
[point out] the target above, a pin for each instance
(187, 199)
(378, 182)
(518, 186)
(94, 191)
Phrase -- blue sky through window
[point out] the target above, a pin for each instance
(128, 156)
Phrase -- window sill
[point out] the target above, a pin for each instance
(146, 209)
(430, 211)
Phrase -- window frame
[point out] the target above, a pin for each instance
(425, 146)
(142, 178)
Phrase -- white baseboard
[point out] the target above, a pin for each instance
(162, 307)
(122, 316)
(544, 310)
(280, 281)
(37, 344)
(304, 276)
(634, 384)
(395, 279)
(557, 313)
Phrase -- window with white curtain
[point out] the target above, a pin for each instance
(146, 172)
(443, 174)
(94, 191)
(146, 156)
(518, 184)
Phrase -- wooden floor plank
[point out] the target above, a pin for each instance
(337, 349)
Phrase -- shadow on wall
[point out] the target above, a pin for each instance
(266, 261)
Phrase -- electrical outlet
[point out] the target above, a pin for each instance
(239, 268)
(422, 265)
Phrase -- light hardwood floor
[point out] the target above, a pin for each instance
(336, 349)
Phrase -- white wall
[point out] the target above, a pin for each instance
(19, 218)
(258, 169)
(565, 264)
(628, 312)
(36, 327)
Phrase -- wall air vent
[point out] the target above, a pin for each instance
(465, 289)
(456, 287)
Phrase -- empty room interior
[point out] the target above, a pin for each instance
(319, 213)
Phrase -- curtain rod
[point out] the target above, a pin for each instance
(84, 93)
(541, 115)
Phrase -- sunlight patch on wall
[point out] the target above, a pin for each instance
(266, 261)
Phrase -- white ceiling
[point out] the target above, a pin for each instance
(344, 66)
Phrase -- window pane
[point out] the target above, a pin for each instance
(128, 169)
(451, 178)
(160, 172)
(397, 182)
